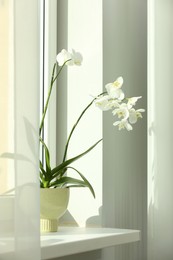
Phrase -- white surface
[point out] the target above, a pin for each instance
(69, 241)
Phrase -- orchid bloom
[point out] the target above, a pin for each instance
(63, 57)
(135, 114)
(74, 58)
(123, 124)
(114, 89)
(105, 103)
(114, 99)
(121, 111)
(132, 101)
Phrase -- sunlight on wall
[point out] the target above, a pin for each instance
(85, 36)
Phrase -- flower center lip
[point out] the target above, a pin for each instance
(116, 84)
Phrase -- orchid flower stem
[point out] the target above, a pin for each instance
(68, 140)
(49, 93)
(47, 101)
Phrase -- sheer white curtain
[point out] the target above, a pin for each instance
(19, 120)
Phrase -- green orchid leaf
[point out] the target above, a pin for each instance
(67, 181)
(66, 163)
(76, 186)
(84, 179)
(42, 179)
(41, 184)
(47, 156)
(42, 169)
(41, 176)
(59, 174)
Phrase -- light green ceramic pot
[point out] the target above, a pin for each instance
(53, 205)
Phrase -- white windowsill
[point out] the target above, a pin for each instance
(72, 240)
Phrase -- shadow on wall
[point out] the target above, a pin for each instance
(68, 219)
(93, 221)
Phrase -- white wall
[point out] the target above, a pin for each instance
(125, 153)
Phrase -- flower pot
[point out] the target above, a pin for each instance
(53, 205)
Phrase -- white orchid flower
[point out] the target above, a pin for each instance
(135, 114)
(121, 111)
(114, 102)
(114, 89)
(106, 103)
(132, 101)
(64, 56)
(74, 58)
(123, 124)
(103, 103)
(77, 58)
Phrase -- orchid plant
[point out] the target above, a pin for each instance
(112, 99)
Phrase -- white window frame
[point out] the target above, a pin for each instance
(48, 51)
